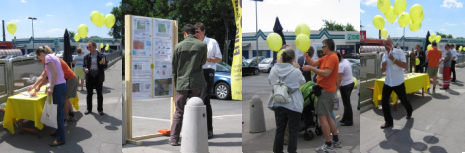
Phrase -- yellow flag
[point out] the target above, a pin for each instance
(236, 72)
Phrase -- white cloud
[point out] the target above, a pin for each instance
(55, 30)
(450, 24)
(109, 4)
(369, 25)
(450, 3)
(362, 11)
(15, 20)
(23, 1)
(369, 2)
(49, 15)
(443, 30)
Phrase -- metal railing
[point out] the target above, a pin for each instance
(19, 73)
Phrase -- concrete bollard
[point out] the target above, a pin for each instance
(257, 118)
(194, 127)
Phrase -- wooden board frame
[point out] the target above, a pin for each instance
(128, 81)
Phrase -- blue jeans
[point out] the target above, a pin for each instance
(59, 99)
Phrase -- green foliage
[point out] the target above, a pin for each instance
(333, 26)
(71, 33)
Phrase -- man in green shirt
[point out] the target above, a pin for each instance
(188, 58)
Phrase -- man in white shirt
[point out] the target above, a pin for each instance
(213, 56)
(393, 63)
(454, 61)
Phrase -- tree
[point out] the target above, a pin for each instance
(449, 36)
(349, 27)
(217, 16)
(71, 33)
(443, 35)
(460, 38)
(95, 37)
(333, 26)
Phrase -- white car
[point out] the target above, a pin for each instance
(59, 54)
(266, 64)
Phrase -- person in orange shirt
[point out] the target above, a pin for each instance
(326, 79)
(434, 55)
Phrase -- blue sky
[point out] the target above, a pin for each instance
(294, 12)
(54, 16)
(445, 16)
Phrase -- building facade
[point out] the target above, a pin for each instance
(345, 41)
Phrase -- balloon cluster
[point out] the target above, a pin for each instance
(97, 19)
(433, 37)
(413, 19)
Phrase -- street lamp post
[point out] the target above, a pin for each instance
(32, 19)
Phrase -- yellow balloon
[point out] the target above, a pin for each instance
(416, 11)
(391, 16)
(83, 30)
(460, 48)
(303, 42)
(101, 45)
(110, 20)
(384, 33)
(76, 37)
(279, 53)
(11, 27)
(274, 41)
(378, 22)
(432, 37)
(400, 6)
(97, 18)
(302, 29)
(108, 45)
(417, 61)
(404, 19)
(355, 82)
(384, 5)
(422, 17)
(107, 48)
(429, 47)
(414, 27)
(102, 20)
(438, 39)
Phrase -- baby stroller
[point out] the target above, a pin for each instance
(309, 118)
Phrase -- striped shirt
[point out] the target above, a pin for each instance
(79, 60)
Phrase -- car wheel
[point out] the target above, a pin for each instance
(222, 91)
(256, 72)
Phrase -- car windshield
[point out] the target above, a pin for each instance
(222, 67)
(266, 61)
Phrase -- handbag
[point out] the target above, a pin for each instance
(316, 89)
(49, 114)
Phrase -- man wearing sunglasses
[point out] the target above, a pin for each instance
(94, 67)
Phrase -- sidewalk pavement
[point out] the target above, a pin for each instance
(150, 115)
(436, 125)
(263, 142)
(90, 133)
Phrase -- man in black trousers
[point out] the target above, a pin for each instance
(94, 67)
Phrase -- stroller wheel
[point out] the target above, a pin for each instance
(318, 131)
(308, 136)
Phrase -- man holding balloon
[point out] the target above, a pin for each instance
(326, 79)
(94, 67)
(393, 64)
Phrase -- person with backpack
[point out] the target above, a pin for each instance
(286, 100)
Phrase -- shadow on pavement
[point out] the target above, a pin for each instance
(416, 102)
(114, 122)
(228, 135)
(401, 140)
(225, 144)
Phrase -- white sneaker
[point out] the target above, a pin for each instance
(325, 147)
(336, 144)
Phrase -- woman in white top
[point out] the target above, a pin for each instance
(345, 84)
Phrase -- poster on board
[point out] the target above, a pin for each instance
(141, 88)
(141, 37)
(162, 29)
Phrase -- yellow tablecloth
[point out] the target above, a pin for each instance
(21, 107)
(413, 83)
